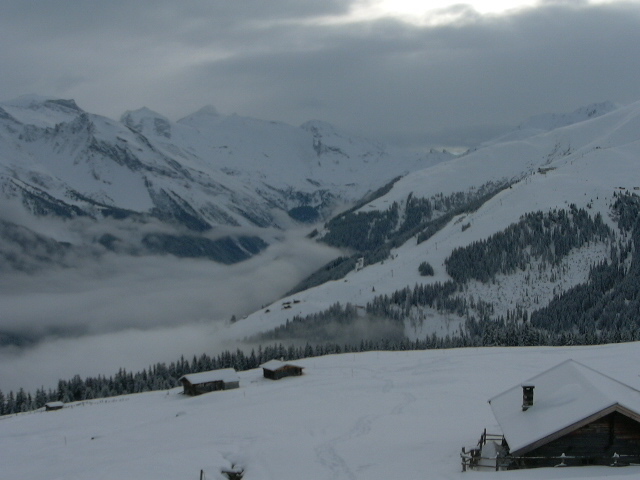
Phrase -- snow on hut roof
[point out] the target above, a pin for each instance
(564, 396)
(276, 365)
(224, 374)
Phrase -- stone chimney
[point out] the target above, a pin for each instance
(527, 396)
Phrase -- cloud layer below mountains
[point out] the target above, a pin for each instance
(130, 312)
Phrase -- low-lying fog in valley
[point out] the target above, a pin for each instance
(129, 312)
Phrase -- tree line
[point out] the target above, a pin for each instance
(161, 376)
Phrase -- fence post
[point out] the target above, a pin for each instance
(464, 460)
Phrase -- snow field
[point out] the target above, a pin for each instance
(375, 415)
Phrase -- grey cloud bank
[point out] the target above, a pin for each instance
(129, 312)
(449, 84)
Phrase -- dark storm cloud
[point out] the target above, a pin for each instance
(59, 18)
(452, 83)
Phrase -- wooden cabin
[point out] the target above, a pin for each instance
(52, 406)
(214, 380)
(276, 369)
(569, 415)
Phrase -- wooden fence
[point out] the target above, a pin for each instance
(474, 460)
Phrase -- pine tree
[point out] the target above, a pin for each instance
(10, 406)
(21, 401)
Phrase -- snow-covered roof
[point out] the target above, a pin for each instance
(277, 364)
(565, 397)
(226, 375)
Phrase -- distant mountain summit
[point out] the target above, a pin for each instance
(206, 114)
(550, 121)
(147, 121)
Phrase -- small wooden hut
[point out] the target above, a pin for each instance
(211, 381)
(569, 415)
(276, 369)
(52, 406)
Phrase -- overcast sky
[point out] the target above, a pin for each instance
(451, 76)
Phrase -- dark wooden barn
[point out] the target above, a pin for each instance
(569, 415)
(610, 439)
(203, 382)
(52, 406)
(276, 369)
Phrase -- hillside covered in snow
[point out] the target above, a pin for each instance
(375, 415)
(524, 231)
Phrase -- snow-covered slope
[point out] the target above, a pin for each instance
(377, 415)
(585, 164)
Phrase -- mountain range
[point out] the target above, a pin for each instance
(426, 244)
(178, 186)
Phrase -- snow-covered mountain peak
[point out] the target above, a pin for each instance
(547, 122)
(147, 122)
(41, 111)
(27, 101)
(319, 127)
(328, 132)
(597, 109)
(330, 141)
(135, 116)
(208, 110)
(551, 121)
(205, 117)
(37, 102)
